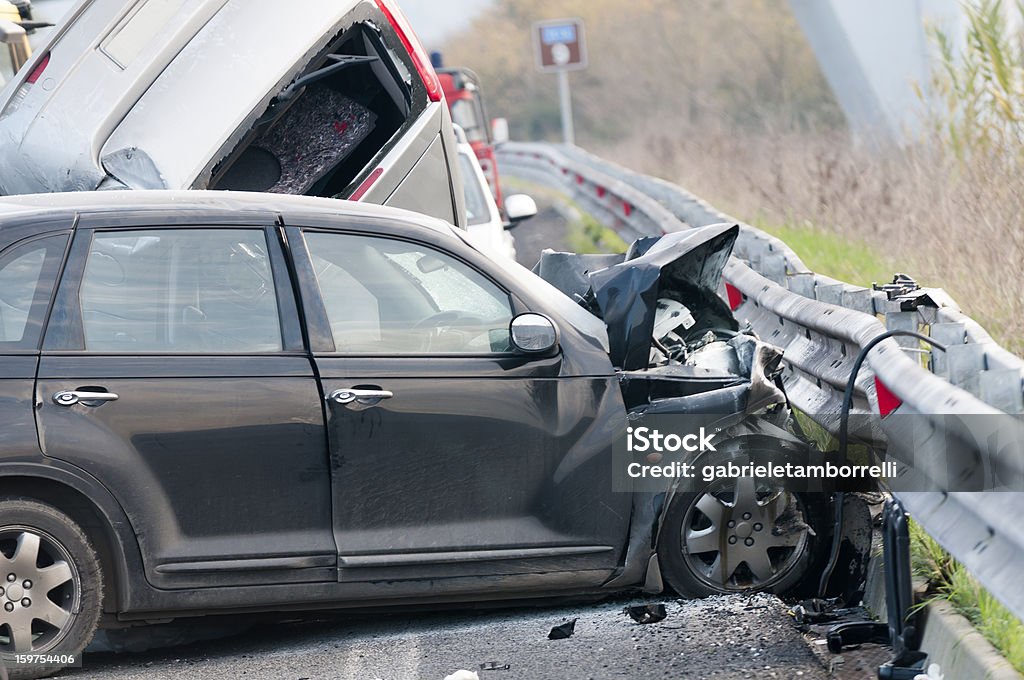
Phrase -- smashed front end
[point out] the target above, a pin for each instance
(674, 341)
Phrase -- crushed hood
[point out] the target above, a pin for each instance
(624, 289)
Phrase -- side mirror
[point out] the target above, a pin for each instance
(499, 130)
(519, 207)
(533, 333)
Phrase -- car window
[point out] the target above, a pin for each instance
(323, 130)
(180, 290)
(27, 274)
(387, 296)
(477, 211)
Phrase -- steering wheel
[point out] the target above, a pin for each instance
(437, 320)
(441, 324)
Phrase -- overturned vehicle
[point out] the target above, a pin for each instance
(333, 99)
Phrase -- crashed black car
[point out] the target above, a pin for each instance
(216, 402)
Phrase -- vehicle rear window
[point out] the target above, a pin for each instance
(323, 129)
(27, 275)
(180, 291)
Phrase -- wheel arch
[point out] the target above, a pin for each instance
(94, 509)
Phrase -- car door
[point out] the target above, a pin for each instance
(30, 260)
(173, 370)
(452, 455)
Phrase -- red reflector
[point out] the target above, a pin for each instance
(627, 209)
(600, 192)
(414, 47)
(37, 72)
(735, 296)
(887, 401)
(366, 184)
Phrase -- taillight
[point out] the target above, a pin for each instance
(365, 185)
(19, 95)
(887, 401)
(735, 296)
(37, 72)
(412, 45)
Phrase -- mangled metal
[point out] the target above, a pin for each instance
(674, 340)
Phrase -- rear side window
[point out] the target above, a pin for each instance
(27, 275)
(180, 291)
(328, 124)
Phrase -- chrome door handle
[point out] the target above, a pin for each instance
(72, 397)
(354, 398)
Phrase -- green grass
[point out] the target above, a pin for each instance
(841, 258)
(589, 236)
(949, 580)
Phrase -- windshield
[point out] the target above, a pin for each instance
(465, 114)
(477, 210)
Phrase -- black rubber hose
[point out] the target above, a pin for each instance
(844, 417)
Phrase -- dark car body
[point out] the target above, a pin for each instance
(214, 475)
(252, 402)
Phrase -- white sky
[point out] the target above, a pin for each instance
(434, 19)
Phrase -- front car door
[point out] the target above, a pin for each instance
(452, 455)
(173, 369)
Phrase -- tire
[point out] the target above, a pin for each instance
(743, 535)
(61, 621)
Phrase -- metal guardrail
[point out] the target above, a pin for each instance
(822, 324)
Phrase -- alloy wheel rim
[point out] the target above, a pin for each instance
(743, 535)
(40, 591)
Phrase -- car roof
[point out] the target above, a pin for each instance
(219, 206)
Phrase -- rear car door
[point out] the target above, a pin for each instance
(30, 261)
(173, 370)
(452, 456)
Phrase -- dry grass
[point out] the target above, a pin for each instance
(951, 224)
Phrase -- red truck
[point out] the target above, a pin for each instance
(465, 101)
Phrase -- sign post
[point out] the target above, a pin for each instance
(559, 47)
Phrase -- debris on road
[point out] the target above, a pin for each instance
(647, 613)
(563, 631)
(494, 666)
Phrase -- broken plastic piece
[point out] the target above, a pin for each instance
(647, 613)
(563, 631)
(494, 666)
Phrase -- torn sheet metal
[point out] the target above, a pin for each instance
(683, 266)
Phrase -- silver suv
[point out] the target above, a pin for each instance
(318, 97)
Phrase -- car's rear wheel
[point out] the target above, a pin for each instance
(739, 535)
(51, 588)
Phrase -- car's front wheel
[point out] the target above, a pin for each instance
(740, 535)
(51, 589)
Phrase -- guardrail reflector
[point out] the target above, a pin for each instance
(887, 401)
(735, 296)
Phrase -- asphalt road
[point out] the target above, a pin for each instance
(546, 230)
(721, 637)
